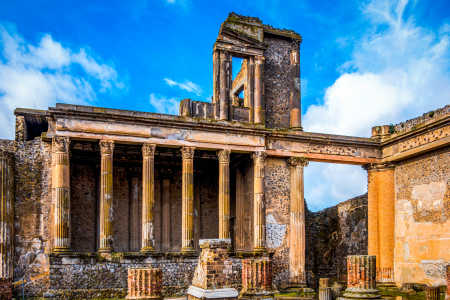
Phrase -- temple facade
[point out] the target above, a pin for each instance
(88, 192)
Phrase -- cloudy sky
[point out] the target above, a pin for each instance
(363, 63)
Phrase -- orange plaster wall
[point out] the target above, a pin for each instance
(422, 219)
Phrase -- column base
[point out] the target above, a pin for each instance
(257, 296)
(259, 250)
(196, 293)
(188, 251)
(61, 251)
(108, 250)
(296, 128)
(147, 250)
(355, 293)
(143, 297)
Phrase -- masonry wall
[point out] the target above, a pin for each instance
(332, 234)
(276, 81)
(277, 195)
(422, 219)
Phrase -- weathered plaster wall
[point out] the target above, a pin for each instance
(277, 187)
(332, 234)
(422, 219)
(276, 77)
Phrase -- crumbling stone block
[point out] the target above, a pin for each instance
(212, 277)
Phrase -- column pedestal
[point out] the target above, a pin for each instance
(212, 274)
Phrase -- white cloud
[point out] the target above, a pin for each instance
(328, 184)
(164, 105)
(38, 76)
(398, 70)
(187, 85)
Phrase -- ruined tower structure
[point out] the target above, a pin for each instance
(92, 191)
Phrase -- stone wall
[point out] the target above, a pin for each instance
(277, 195)
(276, 79)
(422, 219)
(331, 235)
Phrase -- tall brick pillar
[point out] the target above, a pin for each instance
(294, 96)
(260, 111)
(187, 230)
(148, 197)
(6, 224)
(61, 194)
(259, 235)
(381, 219)
(297, 276)
(106, 196)
(224, 194)
(361, 277)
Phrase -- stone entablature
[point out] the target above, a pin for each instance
(83, 122)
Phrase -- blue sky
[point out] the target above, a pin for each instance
(362, 62)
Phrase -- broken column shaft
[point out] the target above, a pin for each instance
(361, 277)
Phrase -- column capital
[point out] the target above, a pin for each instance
(259, 59)
(148, 150)
(224, 156)
(187, 152)
(298, 161)
(106, 146)
(379, 166)
(259, 156)
(60, 144)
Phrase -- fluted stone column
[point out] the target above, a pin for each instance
(381, 219)
(259, 235)
(259, 93)
(6, 220)
(187, 230)
(106, 196)
(361, 277)
(297, 276)
(224, 194)
(148, 197)
(61, 194)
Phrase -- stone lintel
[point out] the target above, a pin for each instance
(200, 293)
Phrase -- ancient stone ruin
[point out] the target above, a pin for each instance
(88, 193)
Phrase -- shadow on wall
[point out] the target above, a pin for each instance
(331, 235)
